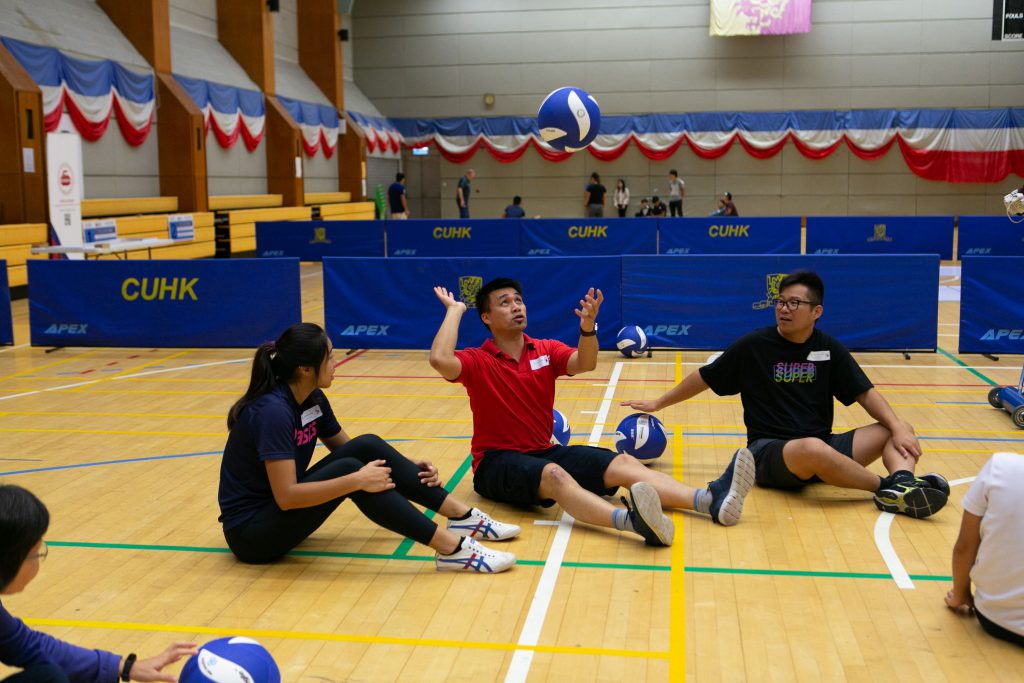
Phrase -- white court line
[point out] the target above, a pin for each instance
(11, 348)
(884, 544)
(519, 669)
(136, 374)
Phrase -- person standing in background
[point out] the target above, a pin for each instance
(397, 202)
(462, 193)
(593, 198)
(676, 192)
(621, 197)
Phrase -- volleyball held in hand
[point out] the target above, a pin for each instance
(642, 436)
(631, 341)
(231, 660)
(561, 431)
(569, 119)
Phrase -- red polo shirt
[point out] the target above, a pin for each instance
(512, 400)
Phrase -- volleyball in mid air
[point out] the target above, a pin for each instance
(569, 119)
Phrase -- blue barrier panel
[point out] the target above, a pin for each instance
(707, 302)
(880, 235)
(992, 304)
(312, 240)
(6, 320)
(729, 235)
(588, 236)
(989, 236)
(198, 303)
(390, 303)
(454, 237)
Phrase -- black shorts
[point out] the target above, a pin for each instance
(770, 466)
(514, 476)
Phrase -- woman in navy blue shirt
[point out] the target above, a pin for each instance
(271, 499)
(44, 659)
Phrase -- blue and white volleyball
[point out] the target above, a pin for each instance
(631, 341)
(569, 119)
(231, 660)
(560, 431)
(642, 436)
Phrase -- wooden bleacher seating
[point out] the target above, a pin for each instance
(318, 198)
(128, 206)
(244, 201)
(16, 242)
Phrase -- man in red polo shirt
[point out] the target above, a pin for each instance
(510, 380)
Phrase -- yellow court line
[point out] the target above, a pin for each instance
(347, 638)
(108, 431)
(44, 367)
(677, 594)
(679, 367)
(155, 361)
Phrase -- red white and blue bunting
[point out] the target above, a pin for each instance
(951, 145)
(381, 134)
(319, 124)
(229, 111)
(91, 90)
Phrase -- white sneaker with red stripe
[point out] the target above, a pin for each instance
(481, 526)
(473, 557)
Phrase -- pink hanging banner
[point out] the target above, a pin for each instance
(760, 17)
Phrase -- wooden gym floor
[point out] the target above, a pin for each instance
(123, 445)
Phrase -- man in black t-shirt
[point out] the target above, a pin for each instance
(786, 377)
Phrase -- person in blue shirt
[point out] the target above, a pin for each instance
(514, 210)
(272, 498)
(41, 657)
(398, 203)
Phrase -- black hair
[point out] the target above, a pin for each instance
(674, 172)
(809, 279)
(643, 200)
(596, 176)
(399, 177)
(655, 198)
(23, 522)
(620, 180)
(303, 345)
(728, 195)
(517, 200)
(483, 297)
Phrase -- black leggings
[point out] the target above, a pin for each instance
(272, 532)
(40, 673)
(997, 631)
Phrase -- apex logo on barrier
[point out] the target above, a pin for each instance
(67, 328)
(668, 330)
(453, 232)
(405, 252)
(678, 250)
(162, 288)
(273, 252)
(539, 252)
(994, 334)
(826, 251)
(978, 251)
(588, 231)
(368, 330)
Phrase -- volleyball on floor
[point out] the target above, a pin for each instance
(561, 431)
(642, 436)
(231, 660)
(631, 341)
(569, 119)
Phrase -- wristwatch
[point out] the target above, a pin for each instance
(584, 333)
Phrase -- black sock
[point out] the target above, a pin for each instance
(465, 516)
(897, 477)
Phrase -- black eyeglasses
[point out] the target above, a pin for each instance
(792, 304)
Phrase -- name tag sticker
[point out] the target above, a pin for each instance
(541, 362)
(819, 355)
(311, 414)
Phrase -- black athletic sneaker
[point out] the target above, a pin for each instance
(730, 489)
(647, 516)
(916, 498)
(936, 481)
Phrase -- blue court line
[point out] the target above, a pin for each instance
(109, 462)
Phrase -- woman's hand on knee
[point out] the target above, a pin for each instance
(428, 473)
(375, 477)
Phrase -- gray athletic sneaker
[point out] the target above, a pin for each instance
(730, 489)
(647, 516)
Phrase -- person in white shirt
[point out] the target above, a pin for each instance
(621, 197)
(990, 550)
(676, 192)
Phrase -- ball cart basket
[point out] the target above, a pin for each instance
(1010, 399)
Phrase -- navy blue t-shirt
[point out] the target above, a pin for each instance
(514, 211)
(395, 193)
(273, 427)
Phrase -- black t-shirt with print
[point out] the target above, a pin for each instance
(786, 388)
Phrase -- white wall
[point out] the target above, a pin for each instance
(433, 58)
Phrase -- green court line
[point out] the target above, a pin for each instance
(406, 545)
(528, 563)
(969, 369)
